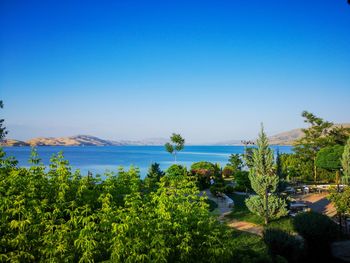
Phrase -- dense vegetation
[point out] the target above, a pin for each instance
(264, 181)
(56, 215)
(52, 214)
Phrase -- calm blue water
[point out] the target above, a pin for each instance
(100, 159)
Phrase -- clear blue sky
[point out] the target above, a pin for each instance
(211, 70)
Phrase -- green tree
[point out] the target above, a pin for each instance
(235, 162)
(264, 182)
(176, 144)
(345, 161)
(248, 157)
(153, 176)
(204, 171)
(329, 158)
(315, 138)
(3, 130)
(341, 201)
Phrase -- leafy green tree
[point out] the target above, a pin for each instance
(176, 170)
(315, 137)
(235, 162)
(3, 130)
(204, 171)
(242, 181)
(153, 176)
(264, 182)
(172, 225)
(341, 201)
(338, 135)
(248, 157)
(177, 143)
(330, 158)
(345, 161)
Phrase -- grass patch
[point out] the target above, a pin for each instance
(249, 247)
(242, 213)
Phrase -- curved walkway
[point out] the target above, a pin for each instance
(224, 208)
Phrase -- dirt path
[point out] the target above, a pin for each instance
(246, 226)
(318, 203)
(224, 209)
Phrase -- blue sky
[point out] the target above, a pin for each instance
(211, 70)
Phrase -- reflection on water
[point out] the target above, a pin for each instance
(99, 159)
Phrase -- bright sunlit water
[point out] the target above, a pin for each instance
(99, 159)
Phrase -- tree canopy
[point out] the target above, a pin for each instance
(330, 157)
(57, 215)
(264, 182)
(176, 144)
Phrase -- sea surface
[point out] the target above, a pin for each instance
(97, 159)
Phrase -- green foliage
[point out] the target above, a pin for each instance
(153, 177)
(212, 205)
(282, 243)
(264, 182)
(345, 161)
(249, 248)
(330, 157)
(242, 181)
(242, 213)
(61, 216)
(177, 144)
(318, 231)
(248, 157)
(319, 135)
(341, 200)
(176, 170)
(293, 168)
(203, 171)
(228, 171)
(235, 162)
(3, 130)
(274, 209)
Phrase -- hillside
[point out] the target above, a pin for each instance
(80, 140)
(11, 142)
(289, 137)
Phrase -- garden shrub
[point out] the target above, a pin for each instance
(282, 243)
(228, 171)
(204, 171)
(318, 231)
(242, 181)
(229, 189)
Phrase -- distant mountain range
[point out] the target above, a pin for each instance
(284, 138)
(80, 140)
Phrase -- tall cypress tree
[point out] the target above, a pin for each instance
(346, 163)
(264, 182)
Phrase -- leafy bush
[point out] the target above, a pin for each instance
(242, 181)
(212, 205)
(282, 243)
(176, 170)
(229, 189)
(59, 216)
(204, 171)
(228, 171)
(318, 230)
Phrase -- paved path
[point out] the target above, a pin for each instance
(318, 203)
(224, 209)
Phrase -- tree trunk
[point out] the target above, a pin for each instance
(315, 171)
(266, 207)
(175, 156)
